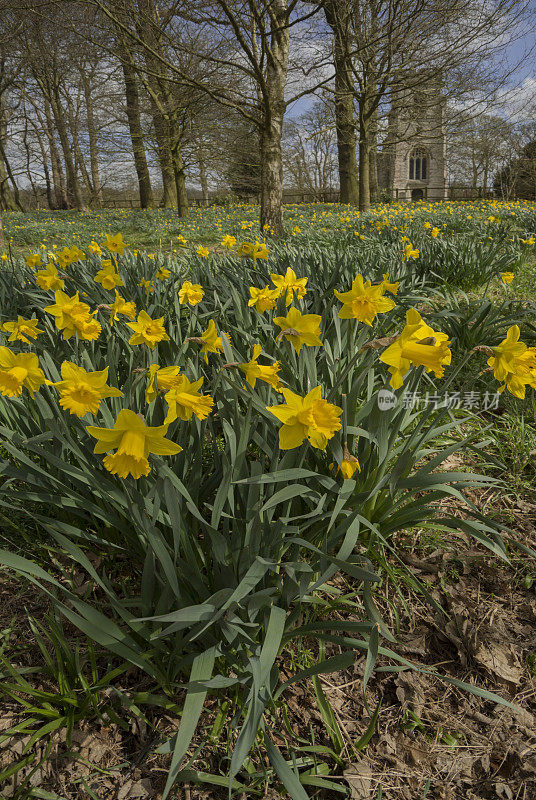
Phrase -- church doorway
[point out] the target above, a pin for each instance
(417, 194)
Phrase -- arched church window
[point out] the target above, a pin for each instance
(418, 165)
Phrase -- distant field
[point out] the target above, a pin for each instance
(464, 230)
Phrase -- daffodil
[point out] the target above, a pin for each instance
(134, 441)
(417, 345)
(19, 371)
(349, 464)
(210, 341)
(81, 391)
(514, 364)
(246, 249)
(257, 372)
(300, 329)
(48, 279)
(161, 380)
(148, 285)
(191, 293)
(73, 317)
(76, 254)
(163, 274)
(202, 251)
(94, 248)
(507, 277)
(184, 400)
(114, 244)
(387, 286)
(228, 241)
(410, 252)
(121, 306)
(108, 277)
(263, 299)
(435, 232)
(33, 261)
(308, 417)
(260, 251)
(364, 301)
(64, 257)
(288, 284)
(147, 331)
(21, 330)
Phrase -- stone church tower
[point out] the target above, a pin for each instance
(413, 162)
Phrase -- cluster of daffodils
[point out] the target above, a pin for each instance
(126, 446)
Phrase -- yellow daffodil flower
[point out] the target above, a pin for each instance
(19, 371)
(387, 286)
(507, 277)
(147, 285)
(410, 252)
(202, 251)
(134, 441)
(94, 248)
(108, 277)
(308, 417)
(114, 244)
(256, 372)
(417, 345)
(260, 251)
(161, 380)
(121, 306)
(191, 293)
(263, 299)
(300, 329)
(73, 317)
(81, 391)
(163, 274)
(364, 301)
(34, 261)
(48, 279)
(184, 400)
(514, 363)
(210, 340)
(288, 284)
(228, 241)
(21, 330)
(147, 331)
(349, 464)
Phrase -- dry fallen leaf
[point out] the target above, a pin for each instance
(359, 779)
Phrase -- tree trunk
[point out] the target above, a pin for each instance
(180, 180)
(272, 121)
(7, 201)
(337, 17)
(93, 144)
(60, 191)
(364, 164)
(134, 125)
(73, 185)
(203, 173)
(373, 158)
(165, 159)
